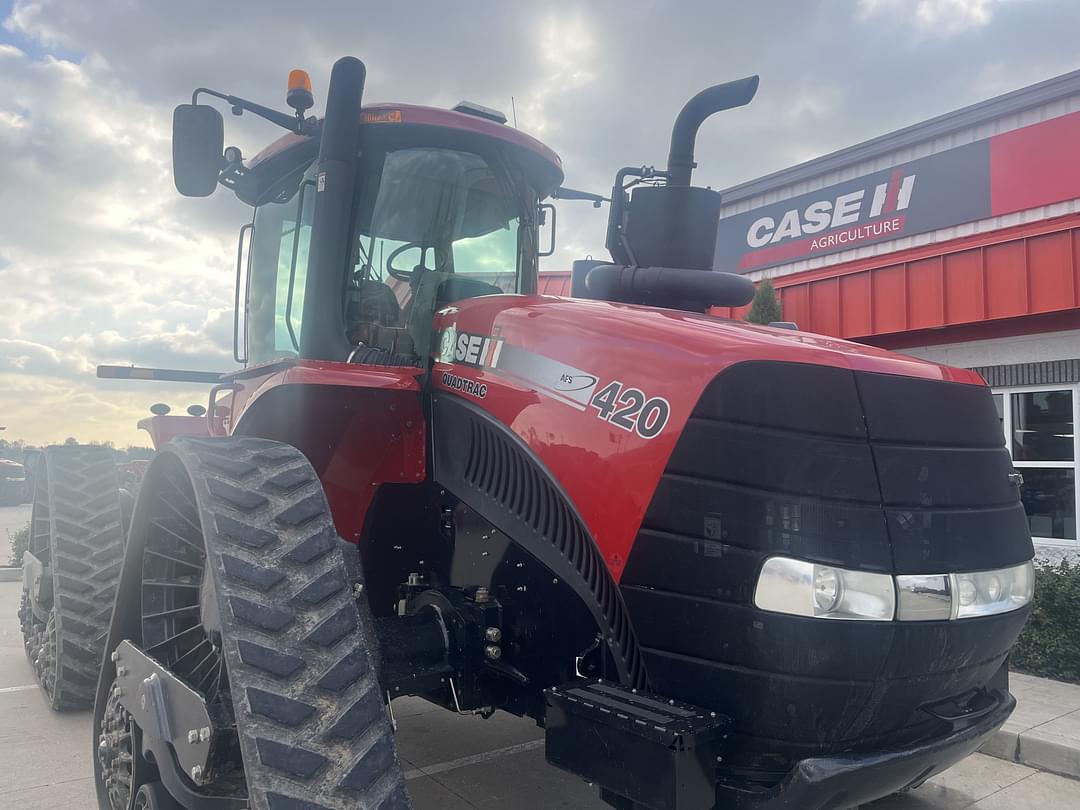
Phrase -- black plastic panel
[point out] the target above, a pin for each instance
(908, 409)
(958, 477)
(776, 460)
(928, 541)
(791, 396)
(766, 522)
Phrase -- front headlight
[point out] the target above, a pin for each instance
(824, 591)
(984, 593)
(802, 588)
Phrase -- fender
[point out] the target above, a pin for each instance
(494, 472)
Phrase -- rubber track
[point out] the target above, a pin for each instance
(314, 731)
(87, 549)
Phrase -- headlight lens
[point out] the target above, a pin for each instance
(984, 593)
(808, 589)
(803, 588)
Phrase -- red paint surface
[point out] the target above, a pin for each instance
(436, 117)
(1035, 165)
(163, 429)
(1017, 272)
(360, 426)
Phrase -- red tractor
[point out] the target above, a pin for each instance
(722, 565)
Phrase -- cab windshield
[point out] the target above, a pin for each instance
(432, 225)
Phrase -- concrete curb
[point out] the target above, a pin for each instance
(1044, 731)
(1035, 750)
(10, 574)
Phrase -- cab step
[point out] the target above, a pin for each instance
(644, 750)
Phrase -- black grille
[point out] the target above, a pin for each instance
(865, 471)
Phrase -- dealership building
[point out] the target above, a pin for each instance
(956, 240)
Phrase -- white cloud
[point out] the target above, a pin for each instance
(101, 260)
(937, 17)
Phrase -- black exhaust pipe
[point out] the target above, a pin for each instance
(322, 335)
(683, 135)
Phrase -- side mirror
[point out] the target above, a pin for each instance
(198, 142)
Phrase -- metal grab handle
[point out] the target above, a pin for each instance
(292, 266)
(215, 426)
(551, 248)
(236, 296)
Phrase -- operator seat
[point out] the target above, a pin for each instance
(457, 288)
(372, 301)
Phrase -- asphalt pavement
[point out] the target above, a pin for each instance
(452, 763)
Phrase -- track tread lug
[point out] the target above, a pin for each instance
(290, 479)
(303, 511)
(229, 466)
(313, 547)
(358, 717)
(321, 588)
(334, 627)
(293, 759)
(257, 576)
(265, 617)
(368, 769)
(346, 671)
(241, 533)
(278, 664)
(277, 707)
(241, 498)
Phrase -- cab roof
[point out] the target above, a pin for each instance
(395, 115)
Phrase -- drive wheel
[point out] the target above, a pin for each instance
(152, 796)
(75, 531)
(243, 590)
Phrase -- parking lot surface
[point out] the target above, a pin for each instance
(452, 763)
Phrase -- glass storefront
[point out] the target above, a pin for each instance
(1039, 428)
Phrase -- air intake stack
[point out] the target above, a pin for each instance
(670, 227)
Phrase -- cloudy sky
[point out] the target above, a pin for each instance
(102, 262)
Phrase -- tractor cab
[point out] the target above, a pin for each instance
(432, 206)
(441, 213)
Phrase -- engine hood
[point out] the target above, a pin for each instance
(602, 392)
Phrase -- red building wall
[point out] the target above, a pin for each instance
(1011, 281)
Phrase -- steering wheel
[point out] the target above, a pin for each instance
(407, 275)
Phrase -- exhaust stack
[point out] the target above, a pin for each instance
(323, 333)
(711, 100)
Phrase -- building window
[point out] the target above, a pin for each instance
(1039, 428)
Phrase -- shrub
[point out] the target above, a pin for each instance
(1050, 642)
(20, 541)
(765, 308)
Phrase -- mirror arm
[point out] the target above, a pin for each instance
(564, 193)
(293, 123)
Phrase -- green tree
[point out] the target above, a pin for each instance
(766, 306)
(20, 542)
